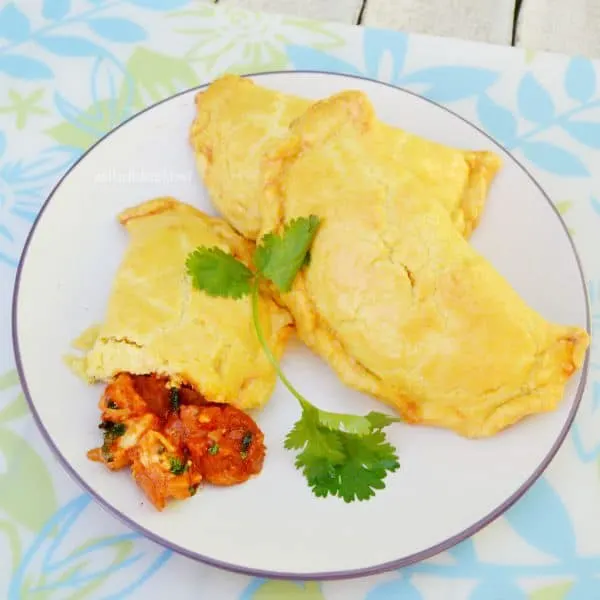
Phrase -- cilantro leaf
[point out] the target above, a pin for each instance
(380, 420)
(367, 461)
(280, 257)
(339, 463)
(218, 274)
(319, 473)
(355, 423)
(306, 435)
(370, 458)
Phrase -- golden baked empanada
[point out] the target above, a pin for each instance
(394, 298)
(156, 323)
(237, 121)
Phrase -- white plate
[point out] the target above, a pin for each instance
(447, 487)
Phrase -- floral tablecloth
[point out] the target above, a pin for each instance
(70, 70)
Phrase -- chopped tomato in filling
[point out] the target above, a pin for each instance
(173, 439)
(225, 443)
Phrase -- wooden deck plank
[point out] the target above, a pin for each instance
(571, 27)
(477, 20)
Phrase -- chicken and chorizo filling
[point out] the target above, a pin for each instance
(173, 439)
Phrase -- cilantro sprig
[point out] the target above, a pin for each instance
(339, 454)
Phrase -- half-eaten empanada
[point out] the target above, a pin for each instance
(157, 324)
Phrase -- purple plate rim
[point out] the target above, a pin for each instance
(326, 575)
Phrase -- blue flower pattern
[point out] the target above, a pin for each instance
(100, 34)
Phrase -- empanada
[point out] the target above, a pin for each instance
(394, 298)
(156, 323)
(237, 121)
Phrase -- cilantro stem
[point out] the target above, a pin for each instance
(261, 338)
(339, 454)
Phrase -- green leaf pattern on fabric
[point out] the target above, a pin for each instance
(16, 409)
(24, 107)
(557, 591)
(239, 41)
(563, 207)
(27, 496)
(288, 590)
(156, 76)
(91, 124)
(8, 380)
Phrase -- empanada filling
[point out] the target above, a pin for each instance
(173, 439)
